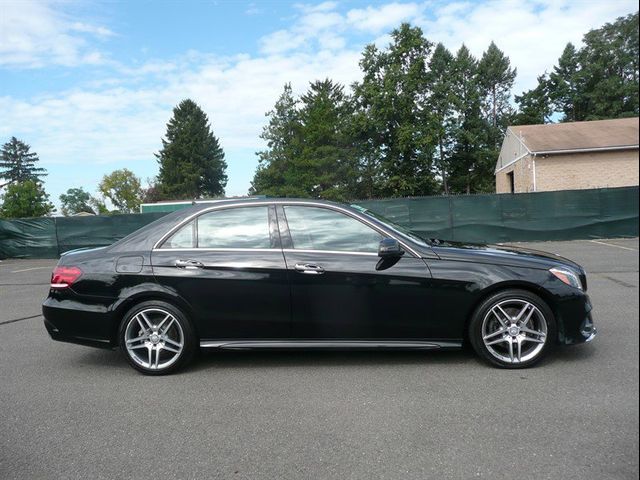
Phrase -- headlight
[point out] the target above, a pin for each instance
(567, 277)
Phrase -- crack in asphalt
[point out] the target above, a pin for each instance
(20, 319)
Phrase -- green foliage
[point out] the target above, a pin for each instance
(18, 164)
(609, 70)
(442, 104)
(470, 165)
(191, 161)
(76, 200)
(309, 155)
(534, 106)
(276, 162)
(25, 199)
(123, 189)
(495, 78)
(422, 121)
(598, 81)
(391, 102)
(564, 88)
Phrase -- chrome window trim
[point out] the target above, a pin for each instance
(218, 249)
(339, 252)
(285, 202)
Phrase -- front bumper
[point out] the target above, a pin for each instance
(575, 321)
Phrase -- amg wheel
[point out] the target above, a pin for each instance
(512, 329)
(156, 338)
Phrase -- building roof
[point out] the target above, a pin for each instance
(581, 136)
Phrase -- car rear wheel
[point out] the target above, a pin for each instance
(512, 329)
(156, 338)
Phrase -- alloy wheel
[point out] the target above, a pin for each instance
(154, 338)
(514, 331)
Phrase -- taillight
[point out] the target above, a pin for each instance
(63, 277)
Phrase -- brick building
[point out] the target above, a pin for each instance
(568, 156)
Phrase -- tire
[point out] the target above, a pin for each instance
(512, 329)
(156, 338)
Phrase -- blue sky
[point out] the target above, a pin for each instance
(90, 85)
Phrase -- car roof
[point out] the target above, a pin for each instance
(201, 205)
(144, 238)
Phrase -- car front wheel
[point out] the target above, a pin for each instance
(512, 329)
(156, 338)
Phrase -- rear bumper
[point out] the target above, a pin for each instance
(72, 321)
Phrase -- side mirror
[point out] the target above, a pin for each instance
(389, 248)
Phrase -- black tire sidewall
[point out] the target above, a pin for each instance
(475, 326)
(188, 349)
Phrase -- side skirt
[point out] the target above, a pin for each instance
(328, 344)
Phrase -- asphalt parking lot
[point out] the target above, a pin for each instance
(73, 412)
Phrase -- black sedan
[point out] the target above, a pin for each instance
(290, 274)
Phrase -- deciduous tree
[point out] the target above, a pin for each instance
(392, 99)
(76, 200)
(122, 188)
(25, 199)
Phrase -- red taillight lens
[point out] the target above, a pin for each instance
(63, 277)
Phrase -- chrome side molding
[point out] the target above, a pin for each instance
(327, 344)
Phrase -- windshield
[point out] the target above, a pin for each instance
(394, 226)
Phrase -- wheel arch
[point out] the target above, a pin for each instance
(530, 287)
(123, 305)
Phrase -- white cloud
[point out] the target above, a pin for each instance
(98, 31)
(377, 19)
(532, 34)
(118, 119)
(120, 123)
(35, 34)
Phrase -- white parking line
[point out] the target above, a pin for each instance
(29, 269)
(614, 245)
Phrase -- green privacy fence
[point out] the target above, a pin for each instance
(49, 237)
(564, 215)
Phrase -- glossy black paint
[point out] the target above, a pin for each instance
(427, 293)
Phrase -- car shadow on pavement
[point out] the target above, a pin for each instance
(327, 358)
(253, 359)
(573, 353)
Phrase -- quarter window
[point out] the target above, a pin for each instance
(185, 237)
(314, 228)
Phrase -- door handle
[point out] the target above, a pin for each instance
(309, 268)
(189, 264)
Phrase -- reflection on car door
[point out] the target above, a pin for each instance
(336, 291)
(228, 265)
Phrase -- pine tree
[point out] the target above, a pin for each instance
(308, 152)
(534, 106)
(496, 78)
(191, 161)
(325, 160)
(282, 136)
(19, 163)
(564, 85)
(470, 165)
(442, 103)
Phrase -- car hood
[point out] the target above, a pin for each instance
(501, 255)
